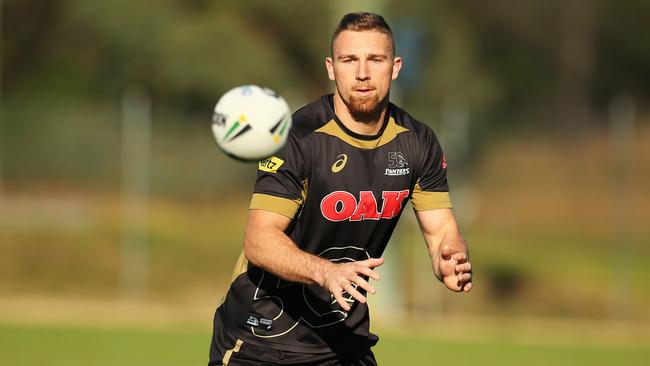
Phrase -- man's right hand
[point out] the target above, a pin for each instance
(339, 277)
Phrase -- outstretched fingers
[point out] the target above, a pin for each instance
(338, 296)
(359, 281)
(354, 293)
(349, 277)
(368, 272)
(371, 262)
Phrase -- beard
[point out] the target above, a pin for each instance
(366, 109)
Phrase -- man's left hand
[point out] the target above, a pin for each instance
(455, 269)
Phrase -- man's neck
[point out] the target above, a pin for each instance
(369, 128)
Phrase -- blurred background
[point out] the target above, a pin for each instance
(120, 220)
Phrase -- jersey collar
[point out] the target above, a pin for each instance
(389, 129)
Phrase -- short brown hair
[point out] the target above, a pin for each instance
(363, 21)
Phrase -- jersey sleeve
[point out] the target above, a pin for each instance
(280, 181)
(431, 190)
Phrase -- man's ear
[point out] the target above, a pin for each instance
(397, 66)
(329, 64)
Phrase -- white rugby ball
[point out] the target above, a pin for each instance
(251, 123)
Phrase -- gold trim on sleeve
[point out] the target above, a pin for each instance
(283, 206)
(424, 201)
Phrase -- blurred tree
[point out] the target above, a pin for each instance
(622, 63)
(506, 64)
(511, 58)
(557, 62)
(26, 34)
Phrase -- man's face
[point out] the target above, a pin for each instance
(362, 66)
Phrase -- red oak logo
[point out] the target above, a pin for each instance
(342, 205)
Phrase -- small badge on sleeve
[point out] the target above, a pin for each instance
(271, 164)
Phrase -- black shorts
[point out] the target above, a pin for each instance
(227, 350)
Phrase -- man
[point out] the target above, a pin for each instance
(321, 217)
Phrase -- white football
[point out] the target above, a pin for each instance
(251, 123)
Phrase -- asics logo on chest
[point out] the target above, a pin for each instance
(343, 205)
(339, 164)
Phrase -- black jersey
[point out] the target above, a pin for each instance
(345, 193)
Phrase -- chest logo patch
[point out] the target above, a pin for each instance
(344, 206)
(397, 164)
(339, 164)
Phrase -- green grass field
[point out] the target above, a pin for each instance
(70, 346)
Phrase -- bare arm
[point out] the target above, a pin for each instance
(447, 249)
(267, 246)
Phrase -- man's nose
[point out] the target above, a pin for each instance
(362, 71)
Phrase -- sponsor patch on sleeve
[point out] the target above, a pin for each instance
(271, 164)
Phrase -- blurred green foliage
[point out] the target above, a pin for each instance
(545, 66)
(189, 52)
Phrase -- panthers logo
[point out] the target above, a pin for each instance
(396, 160)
